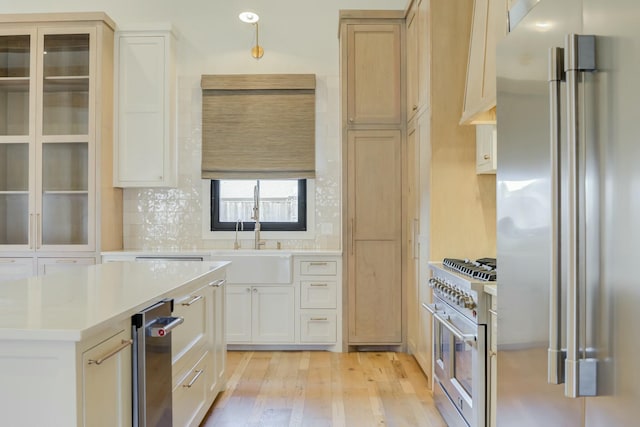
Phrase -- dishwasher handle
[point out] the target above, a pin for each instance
(163, 325)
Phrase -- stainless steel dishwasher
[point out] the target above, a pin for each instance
(151, 330)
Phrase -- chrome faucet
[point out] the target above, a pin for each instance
(256, 216)
(236, 244)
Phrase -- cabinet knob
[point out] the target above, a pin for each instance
(255, 290)
(415, 107)
(486, 157)
(350, 119)
(248, 289)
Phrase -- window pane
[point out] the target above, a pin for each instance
(279, 201)
(236, 200)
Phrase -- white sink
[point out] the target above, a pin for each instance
(257, 267)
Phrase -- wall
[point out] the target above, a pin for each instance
(298, 37)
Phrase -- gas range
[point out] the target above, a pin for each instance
(460, 284)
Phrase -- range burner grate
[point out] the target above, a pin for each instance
(482, 269)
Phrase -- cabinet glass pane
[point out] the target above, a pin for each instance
(66, 85)
(66, 55)
(14, 85)
(65, 166)
(14, 167)
(65, 219)
(14, 56)
(14, 219)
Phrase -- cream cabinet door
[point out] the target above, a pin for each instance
(238, 314)
(16, 268)
(272, 314)
(106, 382)
(54, 265)
(145, 111)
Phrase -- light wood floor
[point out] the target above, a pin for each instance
(302, 388)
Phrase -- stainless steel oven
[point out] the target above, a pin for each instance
(459, 366)
(459, 346)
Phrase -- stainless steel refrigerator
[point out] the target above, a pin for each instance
(568, 195)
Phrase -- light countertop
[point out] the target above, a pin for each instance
(205, 253)
(71, 305)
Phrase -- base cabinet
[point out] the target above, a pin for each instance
(106, 382)
(16, 268)
(260, 314)
(199, 352)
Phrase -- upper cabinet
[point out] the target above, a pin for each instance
(488, 27)
(418, 54)
(145, 146)
(55, 126)
(374, 88)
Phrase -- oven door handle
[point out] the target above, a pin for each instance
(468, 338)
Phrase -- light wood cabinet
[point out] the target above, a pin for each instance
(106, 382)
(454, 207)
(374, 131)
(418, 57)
(488, 27)
(372, 61)
(56, 136)
(145, 143)
(374, 177)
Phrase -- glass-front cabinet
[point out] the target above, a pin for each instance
(56, 105)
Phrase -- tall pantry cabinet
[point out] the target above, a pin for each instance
(451, 209)
(373, 138)
(58, 208)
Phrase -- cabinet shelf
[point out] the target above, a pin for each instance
(63, 192)
(14, 84)
(66, 84)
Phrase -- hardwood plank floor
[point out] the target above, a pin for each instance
(314, 389)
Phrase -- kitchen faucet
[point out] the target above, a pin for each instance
(236, 244)
(256, 216)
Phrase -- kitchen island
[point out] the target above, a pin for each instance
(65, 355)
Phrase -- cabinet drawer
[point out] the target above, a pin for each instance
(318, 327)
(318, 268)
(191, 336)
(317, 294)
(190, 393)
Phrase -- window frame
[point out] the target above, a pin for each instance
(300, 226)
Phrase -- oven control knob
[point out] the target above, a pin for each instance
(469, 303)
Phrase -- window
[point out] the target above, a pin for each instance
(282, 204)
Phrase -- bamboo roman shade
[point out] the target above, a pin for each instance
(258, 126)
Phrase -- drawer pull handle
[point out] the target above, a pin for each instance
(124, 344)
(319, 319)
(7, 261)
(192, 301)
(495, 313)
(318, 263)
(66, 261)
(194, 379)
(324, 285)
(218, 283)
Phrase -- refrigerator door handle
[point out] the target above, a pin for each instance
(581, 373)
(555, 353)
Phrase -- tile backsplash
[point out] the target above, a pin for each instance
(172, 218)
